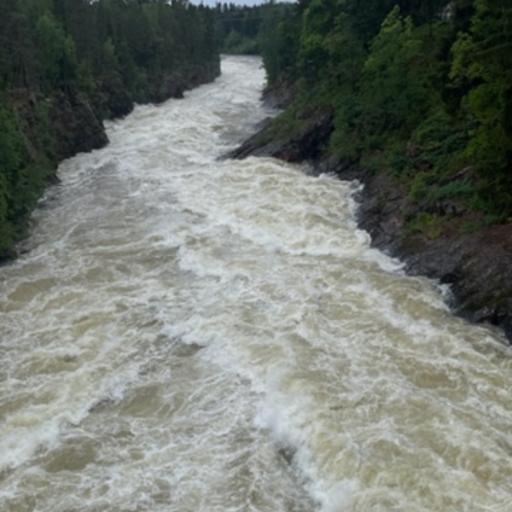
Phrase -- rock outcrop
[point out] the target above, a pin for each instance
(304, 143)
(477, 264)
(174, 85)
(58, 126)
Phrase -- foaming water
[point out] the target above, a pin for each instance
(189, 334)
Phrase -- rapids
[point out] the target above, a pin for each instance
(186, 334)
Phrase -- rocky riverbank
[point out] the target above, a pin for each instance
(453, 244)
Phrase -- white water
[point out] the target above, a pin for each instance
(191, 335)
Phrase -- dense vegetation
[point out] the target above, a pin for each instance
(420, 89)
(100, 56)
(238, 28)
(243, 29)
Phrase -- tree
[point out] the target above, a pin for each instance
(482, 64)
(57, 55)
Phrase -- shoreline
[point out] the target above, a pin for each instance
(75, 126)
(476, 264)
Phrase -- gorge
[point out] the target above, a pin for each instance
(189, 333)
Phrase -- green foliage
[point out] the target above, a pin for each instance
(69, 44)
(395, 86)
(393, 91)
(11, 160)
(438, 143)
(427, 224)
(419, 88)
(12, 149)
(21, 182)
(278, 42)
(452, 190)
(108, 53)
(482, 66)
(269, 29)
(238, 26)
(429, 188)
(237, 44)
(346, 139)
(318, 21)
(57, 54)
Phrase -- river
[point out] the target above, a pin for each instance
(186, 334)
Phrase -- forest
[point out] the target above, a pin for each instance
(238, 27)
(65, 65)
(418, 89)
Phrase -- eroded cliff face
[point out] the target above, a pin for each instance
(58, 126)
(175, 84)
(112, 101)
(476, 262)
